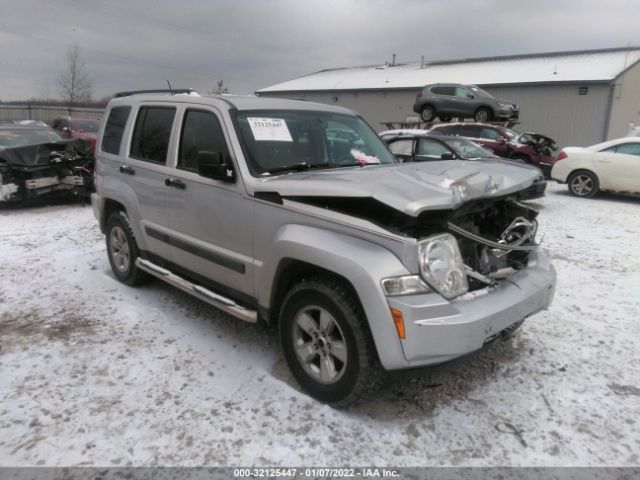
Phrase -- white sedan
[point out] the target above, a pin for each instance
(612, 166)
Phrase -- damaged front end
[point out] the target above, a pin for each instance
(494, 240)
(63, 168)
(477, 245)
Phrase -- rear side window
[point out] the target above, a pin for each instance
(152, 133)
(201, 132)
(441, 90)
(402, 147)
(113, 130)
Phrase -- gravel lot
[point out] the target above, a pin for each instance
(96, 373)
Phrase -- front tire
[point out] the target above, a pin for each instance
(123, 250)
(326, 342)
(583, 184)
(483, 114)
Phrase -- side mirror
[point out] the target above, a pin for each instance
(213, 165)
(471, 96)
(502, 139)
(447, 156)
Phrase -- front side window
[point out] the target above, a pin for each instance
(431, 148)
(625, 148)
(461, 92)
(152, 134)
(114, 129)
(280, 140)
(468, 149)
(478, 92)
(489, 133)
(201, 132)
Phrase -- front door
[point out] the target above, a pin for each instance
(211, 220)
(619, 167)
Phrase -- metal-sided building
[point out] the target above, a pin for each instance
(578, 98)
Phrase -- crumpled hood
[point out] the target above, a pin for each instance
(409, 187)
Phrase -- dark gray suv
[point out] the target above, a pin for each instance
(447, 100)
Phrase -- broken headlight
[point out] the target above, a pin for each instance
(441, 265)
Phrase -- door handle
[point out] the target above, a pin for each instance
(127, 169)
(601, 160)
(175, 183)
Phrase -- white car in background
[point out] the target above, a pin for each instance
(612, 166)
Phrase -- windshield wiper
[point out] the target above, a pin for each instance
(298, 167)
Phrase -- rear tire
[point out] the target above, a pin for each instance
(428, 113)
(326, 342)
(123, 250)
(583, 183)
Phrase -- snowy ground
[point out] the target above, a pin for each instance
(96, 373)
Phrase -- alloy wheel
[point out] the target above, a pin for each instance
(582, 185)
(319, 344)
(120, 251)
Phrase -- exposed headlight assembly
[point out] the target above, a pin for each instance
(441, 265)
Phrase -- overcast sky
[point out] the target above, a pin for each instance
(138, 44)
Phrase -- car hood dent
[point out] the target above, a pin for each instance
(410, 188)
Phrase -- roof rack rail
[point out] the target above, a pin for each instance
(165, 90)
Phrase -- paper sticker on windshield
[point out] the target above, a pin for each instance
(362, 158)
(269, 129)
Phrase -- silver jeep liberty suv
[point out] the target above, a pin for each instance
(297, 214)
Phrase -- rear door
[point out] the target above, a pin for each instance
(211, 221)
(145, 170)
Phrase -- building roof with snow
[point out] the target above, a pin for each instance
(591, 66)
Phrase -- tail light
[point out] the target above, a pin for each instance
(419, 94)
(562, 156)
(95, 175)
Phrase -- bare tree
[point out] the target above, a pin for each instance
(74, 82)
(219, 89)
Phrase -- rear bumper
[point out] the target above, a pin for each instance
(95, 205)
(438, 330)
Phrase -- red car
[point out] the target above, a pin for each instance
(83, 128)
(533, 148)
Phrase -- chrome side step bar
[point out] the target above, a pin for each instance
(204, 294)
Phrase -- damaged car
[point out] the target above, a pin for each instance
(423, 146)
(298, 215)
(534, 148)
(36, 162)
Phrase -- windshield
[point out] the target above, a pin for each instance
(19, 138)
(281, 140)
(468, 149)
(478, 92)
(90, 126)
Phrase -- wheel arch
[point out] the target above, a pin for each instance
(299, 252)
(108, 207)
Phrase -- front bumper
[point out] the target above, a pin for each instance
(508, 114)
(438, 330)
